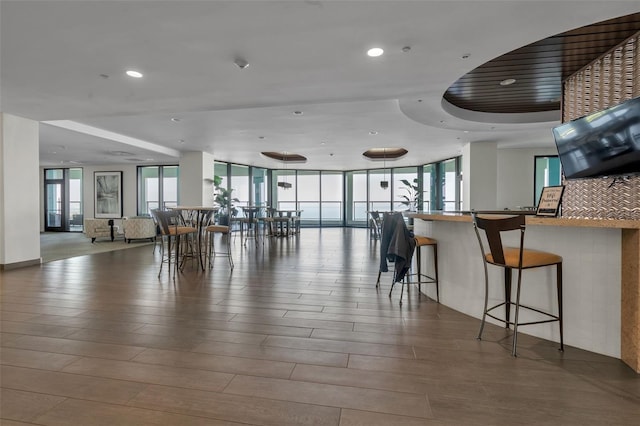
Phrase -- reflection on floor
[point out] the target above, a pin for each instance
(63, 245)
(296, 335)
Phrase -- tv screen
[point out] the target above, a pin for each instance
(605, 143)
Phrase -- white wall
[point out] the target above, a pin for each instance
(19, 195)
(129, 189)
(498, 178)
(591, 280)
(515, 176)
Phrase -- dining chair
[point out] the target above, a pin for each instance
(375, 225)
(514, 258)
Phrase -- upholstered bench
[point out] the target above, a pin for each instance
(139, 227)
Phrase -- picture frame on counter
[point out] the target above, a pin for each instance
(550, 201)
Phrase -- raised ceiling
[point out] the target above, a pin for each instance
(538, 69)
(63, 63)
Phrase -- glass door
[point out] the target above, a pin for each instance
(53, 206)
(63, 207)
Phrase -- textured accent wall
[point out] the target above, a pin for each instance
(609, 80)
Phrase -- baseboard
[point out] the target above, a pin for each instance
(16, 265)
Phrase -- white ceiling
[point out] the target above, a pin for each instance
(63, 62)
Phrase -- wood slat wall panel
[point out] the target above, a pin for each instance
(609, 80)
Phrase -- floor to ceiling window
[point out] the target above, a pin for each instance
(240, 186)
(429, 187)
(356, 197)
(331, 198)
(259, 186)
(157, 188)
(335, 198)
(309, 196)
(406, 197)
(284, 189)
(449, 180)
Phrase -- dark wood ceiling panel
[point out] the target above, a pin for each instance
(539, 69)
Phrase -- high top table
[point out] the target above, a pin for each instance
(201, 213)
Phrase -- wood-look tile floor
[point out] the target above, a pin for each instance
(296, 335)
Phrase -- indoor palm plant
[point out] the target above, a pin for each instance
(222, 199)
(412, 197)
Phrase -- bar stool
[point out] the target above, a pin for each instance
(511, 258)
(422, 241)
(211, 253)
(172, 229)
(396, 245)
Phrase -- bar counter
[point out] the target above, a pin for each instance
(601, 277)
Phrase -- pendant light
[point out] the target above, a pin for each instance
(384, 183)
(284, 184)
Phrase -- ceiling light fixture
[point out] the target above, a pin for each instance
(284, 184)
(175, 119)
(507, 82)
(373, 132)
(298, 112)
(241, 63)
(384, 183)
(374, 52)
(134, 73)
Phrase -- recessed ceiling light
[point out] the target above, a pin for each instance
(175, 119)
(406, 49)
(507, 82)
(134, 73)
(375, 52)
(466, 55)
(181, 141)
(373, 132)
(260, 137)
(298, 112)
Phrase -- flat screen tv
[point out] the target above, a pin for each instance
(605, 143)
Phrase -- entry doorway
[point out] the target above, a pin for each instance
(63, 206)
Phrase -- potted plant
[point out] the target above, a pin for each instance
(412, 198)
(222, 198)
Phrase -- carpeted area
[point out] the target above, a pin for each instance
(63, 245)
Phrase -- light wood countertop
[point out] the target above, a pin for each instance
(535, 220)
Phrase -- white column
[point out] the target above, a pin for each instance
(19, 192)
(480, 176)
(196, 179)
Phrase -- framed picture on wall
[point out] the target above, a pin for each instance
(550, 199)
(108, 195)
